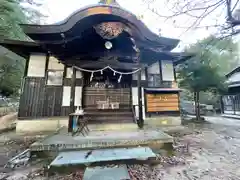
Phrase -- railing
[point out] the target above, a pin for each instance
(231, 104)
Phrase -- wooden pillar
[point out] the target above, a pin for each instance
(73, 85)
(221, 105)
(234, 105)
(140, 110)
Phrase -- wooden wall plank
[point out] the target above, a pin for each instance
(31, 100)
(167, 104)
(162, 102)
(159, 109)
(39, 100)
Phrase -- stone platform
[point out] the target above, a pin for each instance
(102, 139)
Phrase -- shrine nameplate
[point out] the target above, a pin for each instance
(162, 102)
(99, 10)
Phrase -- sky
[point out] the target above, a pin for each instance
(58, 10)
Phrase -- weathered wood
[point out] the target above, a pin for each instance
(140, 109)
(157, 109)
(39, 100)
(166, 104)
(168, 96)
(31, 101)
(72, 100)
(92, 95)
(162, 102)
(109, 116)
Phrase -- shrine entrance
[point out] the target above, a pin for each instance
(107, 97)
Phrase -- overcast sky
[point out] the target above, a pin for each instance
(58, 10)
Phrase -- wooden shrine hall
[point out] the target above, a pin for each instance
(101, 59)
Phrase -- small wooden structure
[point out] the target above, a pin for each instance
(101, 58)
(230, 102)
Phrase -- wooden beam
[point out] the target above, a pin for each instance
(140, 110)
(160, 70)
(46, 64)
(101, 64)
(26, 66)
(73, 85)
(67, 55)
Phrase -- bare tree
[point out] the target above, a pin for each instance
(225, 12)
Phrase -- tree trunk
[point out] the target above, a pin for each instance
(197, 105)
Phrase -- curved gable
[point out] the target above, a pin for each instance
(93, 15)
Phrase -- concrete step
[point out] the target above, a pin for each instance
(102, 155)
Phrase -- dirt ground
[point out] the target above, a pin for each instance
(210, 151)
(214, 154)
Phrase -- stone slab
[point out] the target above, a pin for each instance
(101, 139)
(102, 155)
(103, 173)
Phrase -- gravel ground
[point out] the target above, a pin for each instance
(210, 152)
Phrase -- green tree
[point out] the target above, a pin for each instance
(205, 72)
(223, 53)
(13, 13)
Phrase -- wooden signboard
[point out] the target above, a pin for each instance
(162, 102)
(99, 10)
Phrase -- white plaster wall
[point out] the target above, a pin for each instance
(167, 70)
(135, 76)
(78, 96)
(54, 64)
(79, 74)
(143, 103)
(135, 100)
(143, 75)
(78, 90)
(235, 77)
(134, 96)
(66, 96)
(154, 68)
(36, 65)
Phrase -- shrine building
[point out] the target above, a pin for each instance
(101, 59)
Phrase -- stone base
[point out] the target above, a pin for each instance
(163, 121)
(99, 139)
(53, 124)
(41, 125)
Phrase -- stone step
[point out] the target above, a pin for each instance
(109, 113)
(102, 155)
(111, 116)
